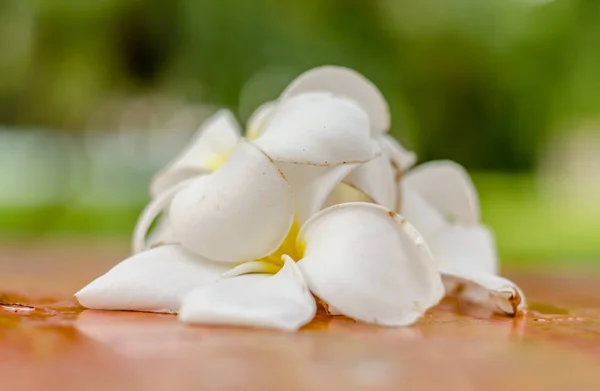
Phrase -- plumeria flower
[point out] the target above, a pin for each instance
(316, 142)
(283, 123)
(378, 179)
(240, 215)
(441, 201)
(208, 150)
(244, 257)
(359, 258)
(438, 198)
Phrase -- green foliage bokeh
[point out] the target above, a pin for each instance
(482, 82)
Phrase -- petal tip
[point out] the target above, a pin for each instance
(348, 83)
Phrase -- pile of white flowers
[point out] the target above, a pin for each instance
(317, 201)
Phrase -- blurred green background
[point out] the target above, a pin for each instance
(96, 95)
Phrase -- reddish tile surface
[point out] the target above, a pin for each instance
(48, 343)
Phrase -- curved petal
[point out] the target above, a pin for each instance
(320, 130)
(258, 266)
(209, 148)
(377, 180)
(344, 193)
(461, 248)
(155, 280)
(448, 188)
(347, 83)
(369, 263)
(401, 158)
(239, 213)
(281, 301)
(259, 119)
(150, 213)
(161, 234)
(311, 185)
(493, 292)
(424, 217)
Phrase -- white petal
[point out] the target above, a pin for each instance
(311, 185)
(154, 280)
(258, 266)
(150, 213)
(241, 212)
(369, 263)
(323, 130)
(162, 233)
(209, 148)
(281, 301)
(344, 193)
(465, 248)
(400, 157)
(349, 84)
(377, 180)
(423, 216)
(259, 119)
(448, 188)
(493, 292)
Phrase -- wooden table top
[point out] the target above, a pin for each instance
(49, 343)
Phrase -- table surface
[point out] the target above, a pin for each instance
(49, 343)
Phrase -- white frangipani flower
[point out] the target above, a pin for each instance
(283, 124)
(243, 238)
(440, 200)
(328, 136)
(360, 258)
(209, 149)
(248, 197)
(238, 210)
(376, 179)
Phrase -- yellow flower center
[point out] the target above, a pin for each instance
(253, 133)
(289, 247)
(216, 161)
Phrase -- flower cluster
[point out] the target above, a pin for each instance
(317, 201)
